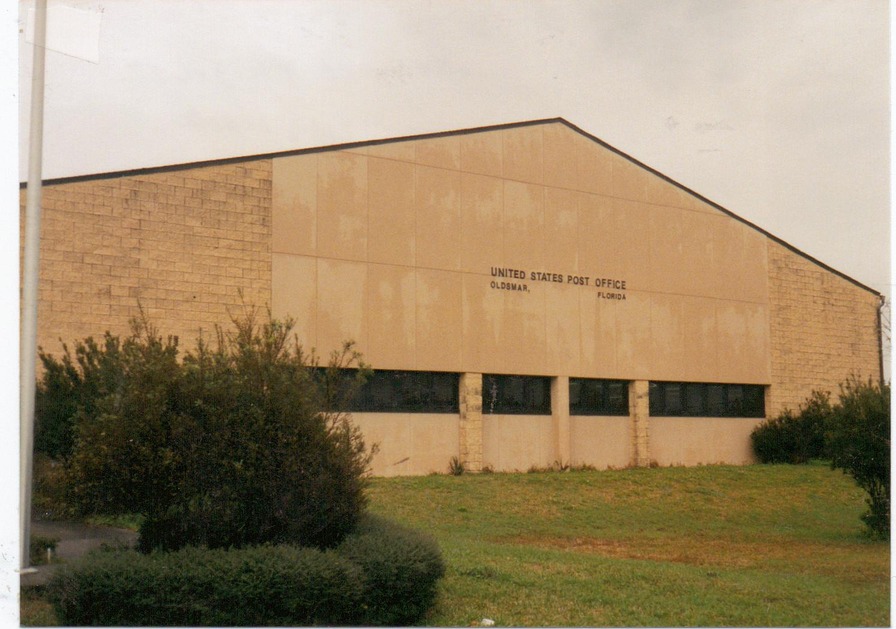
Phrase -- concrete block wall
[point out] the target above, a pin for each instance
(823, 328)
(183, 243)
(639, 410)
(470, 427)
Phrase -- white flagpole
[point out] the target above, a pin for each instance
(28, 341)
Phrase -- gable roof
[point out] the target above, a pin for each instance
(441, 134)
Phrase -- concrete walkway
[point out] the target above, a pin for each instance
(75, 540)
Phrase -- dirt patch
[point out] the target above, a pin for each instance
(678, 551)
(841, 560)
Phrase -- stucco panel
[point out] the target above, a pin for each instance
(603, 442)
(540, 252)
(409, 443)
(517, 442)
(701, 440)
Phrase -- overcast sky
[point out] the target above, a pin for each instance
(777, 110)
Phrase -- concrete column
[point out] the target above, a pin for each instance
(639, 411)
(471, 421)
(560, 416)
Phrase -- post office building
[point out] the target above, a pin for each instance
(526, 294)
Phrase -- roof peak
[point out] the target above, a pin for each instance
(455, 132)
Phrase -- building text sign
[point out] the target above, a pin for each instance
(506, 278)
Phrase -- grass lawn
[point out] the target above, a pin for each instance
(705, 546)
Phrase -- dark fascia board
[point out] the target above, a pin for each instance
(441, 134)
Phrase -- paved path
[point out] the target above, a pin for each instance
(75, 539)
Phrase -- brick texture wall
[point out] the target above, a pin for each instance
(823, 328)
(183, 244)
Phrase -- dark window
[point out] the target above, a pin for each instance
(665, 399)
(388, 391)
(516, 395)
(588, 396)
(717, 401)
(753, 402)
(695, 399)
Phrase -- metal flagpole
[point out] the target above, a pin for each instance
(28, 341)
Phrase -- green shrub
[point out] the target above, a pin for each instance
(262, 586)
(228, 447)
(127, 432)
(71, 385)
(854, 434)
(775, 440)
(815, 414)
(794, 437)
(381, 574)
(859, 442)
(401, 569)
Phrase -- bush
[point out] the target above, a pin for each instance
(794, 437)
(859, 441)
(381, 574)
(401, 569)
(228, 447)
(262, 586)
(854, 434)
(71, 385)
(127, 434)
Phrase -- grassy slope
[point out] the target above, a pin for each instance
(744, 546)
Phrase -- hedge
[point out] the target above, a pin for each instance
(381, 574)
(401, 568)
(273, 586)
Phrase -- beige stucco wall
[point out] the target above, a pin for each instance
(602, 442)
(409, 443)
(701, 440)
(393, 245)
(517, 442)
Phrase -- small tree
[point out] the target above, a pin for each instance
(232, 446)
(858, 439)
